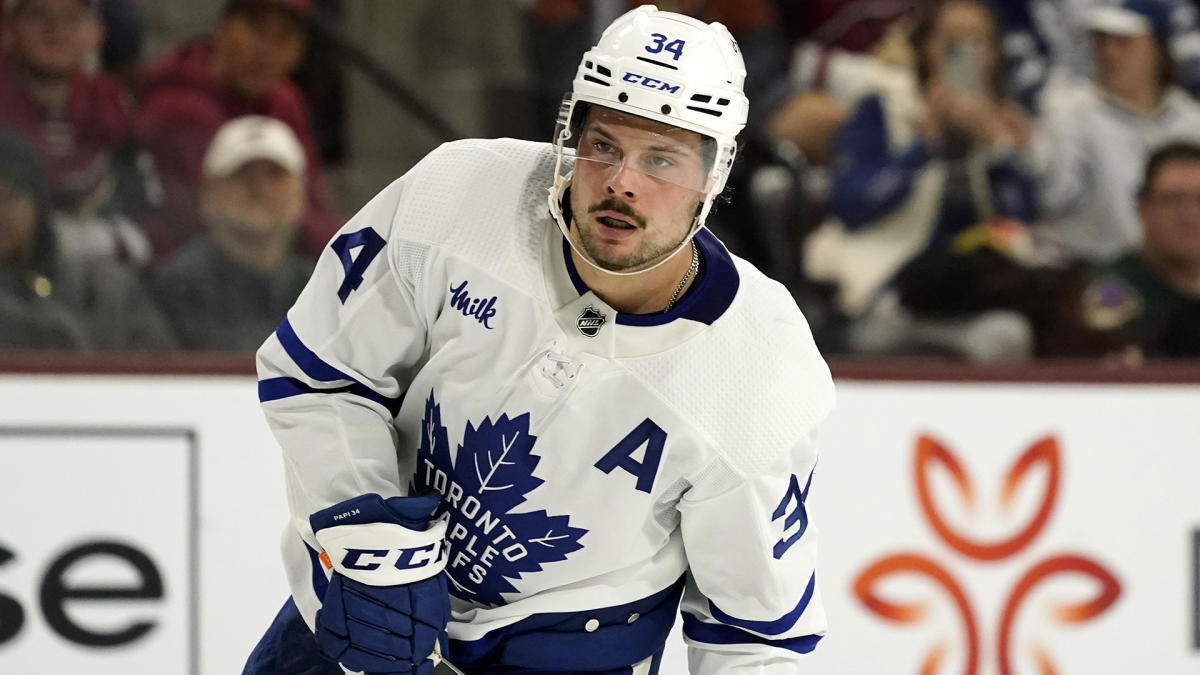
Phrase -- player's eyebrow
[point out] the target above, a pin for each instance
(675, 148)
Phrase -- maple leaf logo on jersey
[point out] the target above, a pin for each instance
(490, 544)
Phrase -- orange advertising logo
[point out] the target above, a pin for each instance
(930, 455)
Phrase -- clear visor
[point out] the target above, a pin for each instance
(611, 142)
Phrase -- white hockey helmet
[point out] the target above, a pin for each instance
(666, 67)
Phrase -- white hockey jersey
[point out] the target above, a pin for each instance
(588, 459)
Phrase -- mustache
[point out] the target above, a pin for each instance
(620, 207)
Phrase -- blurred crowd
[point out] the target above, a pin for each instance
(963, 179)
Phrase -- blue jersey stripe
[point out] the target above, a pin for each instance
(602, 641)
(717, 634)
(709, 297)
(285, 387)
(780, 625)
(309, 362)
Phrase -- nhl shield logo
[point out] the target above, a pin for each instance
(590, 321)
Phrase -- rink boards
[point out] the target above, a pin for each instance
(987, 527)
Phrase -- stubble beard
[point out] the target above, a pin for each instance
(642, 257)
(646, 253)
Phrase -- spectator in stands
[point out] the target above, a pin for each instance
(907, 191)
(841, 51)
(228, 288)
(1093, 139)
(1048, 45)
(49, 300)
(78, 122)
(1146, 302)
(242, 70)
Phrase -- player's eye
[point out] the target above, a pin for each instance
(603, 148)
(661, 161)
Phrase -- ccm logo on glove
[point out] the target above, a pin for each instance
(382, 542)
(406, 558)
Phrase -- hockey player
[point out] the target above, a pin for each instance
(516, 435)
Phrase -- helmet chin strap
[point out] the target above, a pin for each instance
(555, 200)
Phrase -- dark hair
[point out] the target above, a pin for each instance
(1174, 151)
(922, 31)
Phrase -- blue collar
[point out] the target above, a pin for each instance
(705, 301)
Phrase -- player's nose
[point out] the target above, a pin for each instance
(622, 181)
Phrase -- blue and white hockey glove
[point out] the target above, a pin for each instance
(387, 604)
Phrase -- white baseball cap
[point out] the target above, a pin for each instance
(244, 139)
(1131, 18)
(1117, 21)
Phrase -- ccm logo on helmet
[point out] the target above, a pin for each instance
(651, 83)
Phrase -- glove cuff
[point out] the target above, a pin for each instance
(383, 554)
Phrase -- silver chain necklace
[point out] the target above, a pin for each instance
(686, 275)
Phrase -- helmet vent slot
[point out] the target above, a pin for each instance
(603, 70)
(722, 101)
(706, 111)
(657, 63)
(701, 98)
(595, 80)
